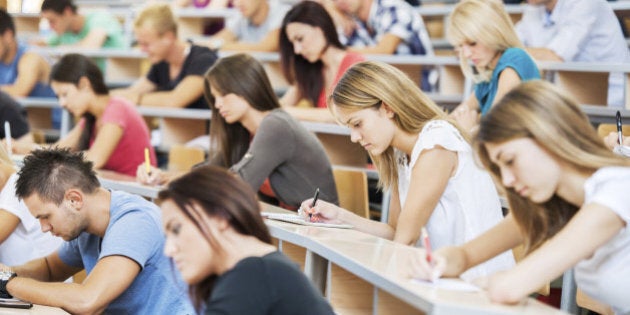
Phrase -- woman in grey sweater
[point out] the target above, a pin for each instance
(257, 140)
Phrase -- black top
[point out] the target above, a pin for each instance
(271, 284)
(15, 114)
(198, 61)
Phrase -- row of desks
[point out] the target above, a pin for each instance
(360, 273)
(587, 82)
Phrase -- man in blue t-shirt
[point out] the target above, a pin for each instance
(116, 237)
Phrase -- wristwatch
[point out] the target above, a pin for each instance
(5, 277)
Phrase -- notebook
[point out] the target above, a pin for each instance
(296, 219)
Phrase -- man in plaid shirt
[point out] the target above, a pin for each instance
(386, 27)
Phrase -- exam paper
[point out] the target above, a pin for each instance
(454, 284)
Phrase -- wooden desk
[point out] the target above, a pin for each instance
(191, 21)
(360, 273)
(123, 66)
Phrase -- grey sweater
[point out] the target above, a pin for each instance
(291, 157)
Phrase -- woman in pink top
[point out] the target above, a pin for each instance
(313, 60)
(110, 130)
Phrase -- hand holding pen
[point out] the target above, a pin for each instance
(320, 211)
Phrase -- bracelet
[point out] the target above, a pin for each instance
(5, 277)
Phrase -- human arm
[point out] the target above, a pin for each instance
(109, 278)
(311, 114)
(219, 39)
(290, 98)
(269, 43)
(429, 178)
(8, 224)
(186, 92)
(466, 114)
(133, 92)
(451, 261)
(591, 227)
(387, 45)
(543, 54)
(31, 68)
(155, 176)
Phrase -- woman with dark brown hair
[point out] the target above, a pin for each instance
(254, 138)
(222, 248)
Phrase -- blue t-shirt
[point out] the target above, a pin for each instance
(134, 231)
(9, 73)
(515, 58)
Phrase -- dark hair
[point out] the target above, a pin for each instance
(309, 76)
(51, 172)
(58, 6)
(244, 76)
(70, 69)
(219, 194)
(6, 22)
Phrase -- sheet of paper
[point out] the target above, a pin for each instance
(296, 219)
(449, 284)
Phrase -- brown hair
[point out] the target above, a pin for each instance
(217, 193)
(244, 76)
(540, 111)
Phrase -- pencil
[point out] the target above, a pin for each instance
(147, 161)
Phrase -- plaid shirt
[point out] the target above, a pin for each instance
(394, 17)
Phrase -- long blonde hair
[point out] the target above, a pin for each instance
(368, 85)
(485, 22)
(159, 17)
(540, 111)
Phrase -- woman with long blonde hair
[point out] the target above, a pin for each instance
(490, 53)
(568, 200)
(421, 156)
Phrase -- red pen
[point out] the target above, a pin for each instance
(427, 243)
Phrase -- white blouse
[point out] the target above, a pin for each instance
(469, 205)
(605, 276)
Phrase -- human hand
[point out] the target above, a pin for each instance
(153, 177)
(420, 268)
(612, 140)
(500, 288)
(322, 211)
(465, 117)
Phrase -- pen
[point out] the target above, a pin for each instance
(427, 243)
(619, 128)
(147, 161)
(7, 137)
(310, 215)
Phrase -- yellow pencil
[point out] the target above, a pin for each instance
(147, 161)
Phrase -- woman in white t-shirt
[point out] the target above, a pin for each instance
(21, 237)
(569, 201)
(421, 156)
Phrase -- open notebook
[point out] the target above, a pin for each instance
(294, 218)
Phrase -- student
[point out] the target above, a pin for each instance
(313, 59)
(483, 34)
(386, 27)
(223, 249)
(22, 72)
(21, 238)
(110, 129)
(568, 200)
(422, 158)
(115, 236)
(176, 75)
(576, 30)
(256, 28)
(257, 140)
(95, 30)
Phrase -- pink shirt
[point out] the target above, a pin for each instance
(129, 153)
(348, 60)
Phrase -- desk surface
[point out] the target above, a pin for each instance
(379, 262)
